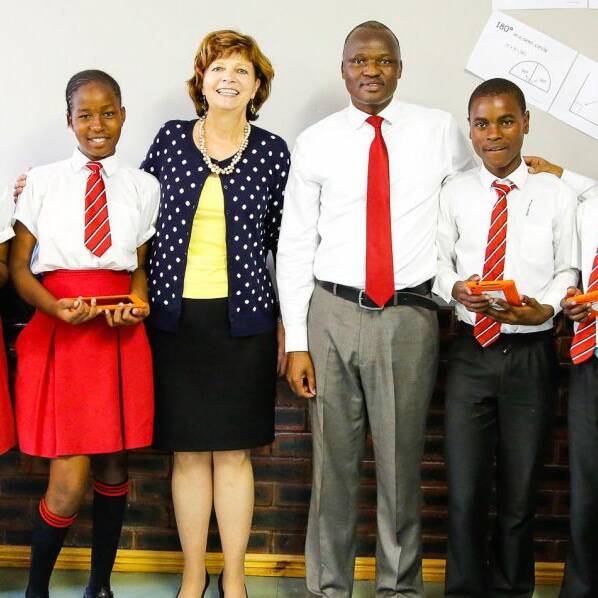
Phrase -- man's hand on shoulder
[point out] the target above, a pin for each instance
(529, 313)
(301, 374)
(463, 294)
(537, 164)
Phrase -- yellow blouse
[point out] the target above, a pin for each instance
(206, 272)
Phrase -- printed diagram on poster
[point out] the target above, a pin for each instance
(553, 76)
(510, 49)
(529, 4)
(577, 101)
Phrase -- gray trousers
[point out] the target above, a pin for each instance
(376, 366)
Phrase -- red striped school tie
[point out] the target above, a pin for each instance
(97, 225)
(584, 340)
(379, 271)
(486, 330)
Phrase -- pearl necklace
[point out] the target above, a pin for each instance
(201, 142)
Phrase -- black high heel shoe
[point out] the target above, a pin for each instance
(221, 588)
(207, 583)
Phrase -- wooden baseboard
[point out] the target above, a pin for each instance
(265, 565)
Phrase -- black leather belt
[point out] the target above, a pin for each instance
(414, 296)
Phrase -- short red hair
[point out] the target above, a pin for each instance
(223, 43)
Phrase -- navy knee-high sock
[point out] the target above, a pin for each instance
(109, 503)
(48, 536)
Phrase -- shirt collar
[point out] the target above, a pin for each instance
(357, 118)
(518, 176)
(109, 164)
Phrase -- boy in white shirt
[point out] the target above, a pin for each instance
(498, 222)
(581, 574)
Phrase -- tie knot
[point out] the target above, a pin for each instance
(375, 121)
(503, 187)
(95, 167)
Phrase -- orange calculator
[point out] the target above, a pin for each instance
(111, 302)
(591, 297)
(496, 289)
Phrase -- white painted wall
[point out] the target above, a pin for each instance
(148, 46)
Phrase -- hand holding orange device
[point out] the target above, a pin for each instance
(496, 289)
(591, 297)
(113, 302)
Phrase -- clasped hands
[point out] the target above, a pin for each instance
(77, 311)
(529, 313)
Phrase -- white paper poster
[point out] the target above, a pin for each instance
(528, 4)
(510, 49)
(577, 101)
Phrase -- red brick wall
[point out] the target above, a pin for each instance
(282, 474)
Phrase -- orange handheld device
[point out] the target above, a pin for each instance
(111, 302)
(496, 289)
(591, 297)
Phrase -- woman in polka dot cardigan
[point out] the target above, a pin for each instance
(216, 342)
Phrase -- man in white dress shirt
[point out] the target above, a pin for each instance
(356, 256)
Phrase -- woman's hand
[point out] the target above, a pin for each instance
(75, 311)
(126, 316)
(19, 185)
(281, 357)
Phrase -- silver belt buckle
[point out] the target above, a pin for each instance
(359, 301)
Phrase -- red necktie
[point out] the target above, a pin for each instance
(97, 226)
(379, 272)
(487, 330)
(584, 341)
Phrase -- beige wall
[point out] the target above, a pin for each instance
(148, 45)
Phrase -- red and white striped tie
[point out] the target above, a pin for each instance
(486, 330)
(97, 225)
(584, 341)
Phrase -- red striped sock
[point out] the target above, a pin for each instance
(111, 489)
(53, 519)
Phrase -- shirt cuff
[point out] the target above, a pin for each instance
(443, 285)
(295, 338)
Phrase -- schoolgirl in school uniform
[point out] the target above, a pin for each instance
(83, 387)
(7, 426)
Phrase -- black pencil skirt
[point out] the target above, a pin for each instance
(213, 392)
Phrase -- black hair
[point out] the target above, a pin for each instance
(373, 25)
(495, 87)
(85, 77)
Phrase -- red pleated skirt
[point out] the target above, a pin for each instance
(7, 424)
(87, 388)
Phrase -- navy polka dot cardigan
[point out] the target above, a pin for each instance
(253, 200)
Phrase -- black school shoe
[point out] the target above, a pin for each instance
(103, 593)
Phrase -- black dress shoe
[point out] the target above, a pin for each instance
(102, 593)
(205, 587)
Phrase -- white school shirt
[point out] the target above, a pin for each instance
(7, 208)
(540, 229)
(323, 232)
(587, 224)
(52, 207)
